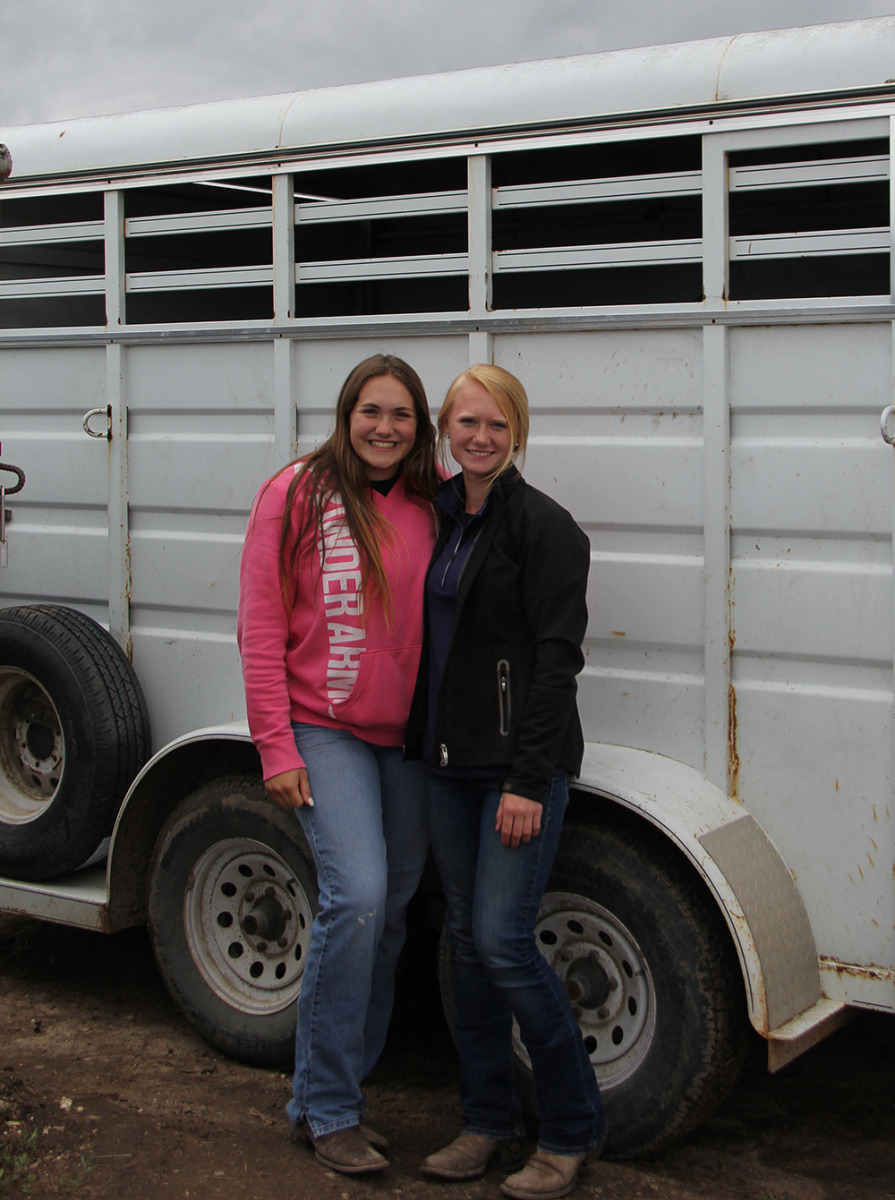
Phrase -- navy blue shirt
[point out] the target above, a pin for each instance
(441, 593)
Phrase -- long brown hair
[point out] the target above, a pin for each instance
(335, 468)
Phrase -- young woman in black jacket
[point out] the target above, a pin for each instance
(495, 719)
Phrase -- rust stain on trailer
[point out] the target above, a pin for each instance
(733, 758)
(618, 633)
(856, 971)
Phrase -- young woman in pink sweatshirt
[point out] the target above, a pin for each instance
(330, 632)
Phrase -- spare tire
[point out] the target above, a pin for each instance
(74, 732)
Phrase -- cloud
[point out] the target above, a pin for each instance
(67, 58)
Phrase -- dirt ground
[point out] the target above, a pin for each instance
(106, 1092)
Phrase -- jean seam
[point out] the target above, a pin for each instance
(341, 1032)
(309, 1041)
(340, 1123)
(461, 814)
(500, 1135)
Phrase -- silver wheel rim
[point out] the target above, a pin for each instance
(606, 978)
(248, 925)
(32, 748)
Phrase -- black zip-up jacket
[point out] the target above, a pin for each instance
(507, 697)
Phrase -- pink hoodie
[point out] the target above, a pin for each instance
(328, 660)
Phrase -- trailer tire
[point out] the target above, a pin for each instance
(74, 732)
(232, 955)
(650, 972)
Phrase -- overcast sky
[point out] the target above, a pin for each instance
(73, 58)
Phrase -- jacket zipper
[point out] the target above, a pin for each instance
(503, 695)
(443, 756)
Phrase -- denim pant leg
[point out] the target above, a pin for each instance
(483, 1019)
(407, 844)
(345, 832)
(493, 893)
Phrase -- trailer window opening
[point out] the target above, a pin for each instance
(237, 304)
(647, 156)
(810, 220)
(153, 200)
(199, 253)
(391, 239)
(384, 179)
(382, 297)
(52, 261)
(598, 225)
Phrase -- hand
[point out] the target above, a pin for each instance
(291, 789)
(518, 819)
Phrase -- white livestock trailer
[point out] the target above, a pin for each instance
(686, 254)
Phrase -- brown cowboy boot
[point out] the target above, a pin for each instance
(544, 1177)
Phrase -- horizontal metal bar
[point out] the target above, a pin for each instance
(200, 278)
(616, 254)
(43, 235)
(79, 900)
(581, 191)
(424, 204)
(766, 176)
(814, 244)
(356, 270)
(820, 310)
(69, 285)
(203, 222)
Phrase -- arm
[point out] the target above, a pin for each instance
(554, 563)
(262, 631)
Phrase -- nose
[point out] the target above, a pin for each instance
(384, 424)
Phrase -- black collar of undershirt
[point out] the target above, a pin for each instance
(384, 486)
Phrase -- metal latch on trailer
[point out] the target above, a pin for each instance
(102, 414)
(885, 419)
(4, 492)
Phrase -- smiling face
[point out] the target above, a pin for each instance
(382, 425)
(480, 435)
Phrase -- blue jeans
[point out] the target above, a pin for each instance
(493, 893)
(367, 832)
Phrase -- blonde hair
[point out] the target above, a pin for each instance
(508, 394)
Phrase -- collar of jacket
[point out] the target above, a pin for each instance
(505, 483)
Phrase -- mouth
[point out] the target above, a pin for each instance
(382, 445)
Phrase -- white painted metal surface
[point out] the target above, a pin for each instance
(719, 443)
(78, 900)
(842, 57)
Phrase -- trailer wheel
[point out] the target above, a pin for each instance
(74, 732)
(232, 897)
(649, 968)
(652, 980)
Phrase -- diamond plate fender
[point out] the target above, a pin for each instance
(739, 865)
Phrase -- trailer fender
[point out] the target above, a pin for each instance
(171, 774)
(737, 862)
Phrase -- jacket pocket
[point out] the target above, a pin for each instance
(503, 696)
